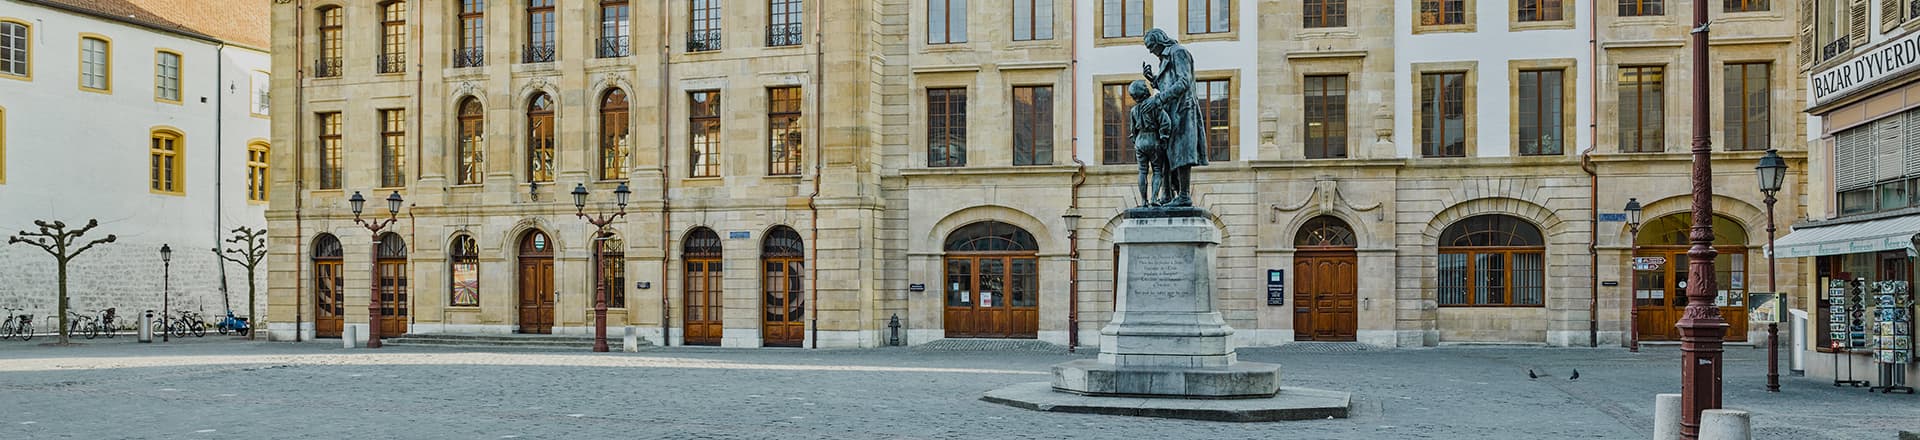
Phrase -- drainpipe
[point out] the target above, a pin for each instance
(299, 165)
(219, 174)
(412, 227)
(1073, 201)
(813, 270)
(666, 177)
(1593, 176)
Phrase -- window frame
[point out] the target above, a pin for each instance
(259, 94)
(778, 112)
(329, 38)
(615, 21)
(542, 43)
(788, 27)
(472, 35)
(329, 150)
(160, 79)
(1468, 13)
(540, 139)
(174, 172)
(1307, 95)
(943, 123)
(1641, 8)
(710, 123)
(1116, 149)
(1101, 38)
(1507, 252)
(948, 20)
(393, 37)
(1738, 121)
(470, 147)
(1468, 108)
(1641, 129)
(1034, 22)
(26, 49)
(106, 63)
(709, 31)
(1202, 86)
(1739, 6)
(464, 249)
(1561, 126)
(259, 169)
(1039, 117)
(1544, 11)
(614, 168)
(1186, 18)
(393, 147)
(1325, 19)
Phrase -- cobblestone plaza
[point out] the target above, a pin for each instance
(208, 389)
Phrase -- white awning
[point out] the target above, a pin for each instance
(1895, 233)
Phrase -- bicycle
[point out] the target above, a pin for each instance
(106, 322)
(17, 325)
(79, 324)
(190, 321)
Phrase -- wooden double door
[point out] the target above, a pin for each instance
(784, 305)
(393, 297)
(1324, 296)
(1660, 294)
(702, 289)
(329, 299)
(992, 296)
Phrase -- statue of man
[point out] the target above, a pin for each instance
(1186, 145)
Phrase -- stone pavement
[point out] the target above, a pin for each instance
(217, 388)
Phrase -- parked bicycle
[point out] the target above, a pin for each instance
(106, 322)
(236, 325)
(18, 324)
(191, 322)
(82, 325)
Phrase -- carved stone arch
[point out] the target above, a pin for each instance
(1552, 225)
(606, 81)
(1363, 235)
(1746, 214)
(512, 235)
(937, 235)
(539, 85)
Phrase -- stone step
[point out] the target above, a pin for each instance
(537, 342)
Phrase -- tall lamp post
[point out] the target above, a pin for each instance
(1772, 172)
(1633, 275)
(166, 287)
(374, 226)
(1702, 330)
(600, 220)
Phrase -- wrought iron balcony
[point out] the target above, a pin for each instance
(702, 41)
(1834, 49)
(784, 34)
(470, 57)
(326, 67)
(614, 47)
(537, 53)
(392, 63)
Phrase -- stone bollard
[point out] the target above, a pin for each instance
(1666, 417)
(346, 336)
(632, 340)
(1726, 424)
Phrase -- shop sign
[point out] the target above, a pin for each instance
(916, 287)
(1649, 263)
(1873, 66)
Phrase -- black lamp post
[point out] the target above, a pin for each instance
(1633, 283)
(374, 227)
(600, 220)
(1772, 172)
(166, 286)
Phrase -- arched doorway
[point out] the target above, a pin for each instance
(1325, 281)
(701, 287)
(329, 288)
(536, 283)
(992, 282)
(391, 265)
(1660, 275)
(782, 257)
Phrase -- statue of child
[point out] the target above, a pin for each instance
(1148, 125)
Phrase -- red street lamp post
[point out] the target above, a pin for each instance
(600, 220)
(374, 226)
(1633, 275)
(1772, 172)
(1702, 330)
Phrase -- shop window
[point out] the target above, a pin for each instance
(1492, 260)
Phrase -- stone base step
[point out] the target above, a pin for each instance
(532, 342)
(983, 344)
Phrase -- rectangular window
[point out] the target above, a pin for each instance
(473, 34)
(1749, 5)
(1749, 108)
(784, 22)
(1326, 116)
(1324, 13)
(1032, 20)
(1033, 125)
(1116, 148)
(1443, 114)
(165, 167)
(1122, 18)
(1642, 114)
(540, 26)
(14, 50)
(703, 129)
(1216, 117)
(393, 148)
(1443, 12)
(947, 127)
(1541, 115)
(257, 172)
(94, 73)
(166, 76)
(332, 19)
(615, 30)
(393, 37)
(1209, 16)
(1541, 10)
(704, 22)
(946, 21)
(330, 150)
(1492, 277)
(1640, 8)
(785, 135)
(261, 85)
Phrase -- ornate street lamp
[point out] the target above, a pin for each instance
(1702, 329)
(1072, 221)
(166, 286)
(1633, 283)
(373, 264)
(600, 220)
(1772, 171)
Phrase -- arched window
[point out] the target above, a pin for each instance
(536, 244)
(329, 288)
(782, 284)
(332, 20)
(1324, 231)
(166, 162)
(539, 32)
(473, 124)
(613, 135)
(463, 260)
(614, 265)
(391, 266)
(990, 236)
(1676, 229)
(1492, 260)
(992, 282)
(702, 287)
(393, 37)
(16, 49)
(473, 34)
(540, 138)
(257, 155)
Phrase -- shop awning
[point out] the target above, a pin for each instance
(1895, 233)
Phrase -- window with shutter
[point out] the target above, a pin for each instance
(1889, 15)
(1857, 22)
(1913, 137)
(1888, 156)
(1849, 163)
(1806, 32)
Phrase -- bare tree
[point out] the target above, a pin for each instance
(250, 258)
(59, 242)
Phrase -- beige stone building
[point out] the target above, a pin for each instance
(803, 172)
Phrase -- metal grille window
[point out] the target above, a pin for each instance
(1443, 12)
(616, 32)
(785, 135)
(614, 135)
(93, 64)
(1492, 260)
(947, 127)
(332, 20)
(1116, 147)
(257, 156)
(1749, 108)
(15, 50)
(330, 150)
(1541, 10)
(1209, 16)
(540, 138)
(166, 76)
(784, 22)
(1216, 115)
(1324, 13)
(1032, 20)
(1642, 113)
(393, 37)
(1122, 18)
(473, 34)
(946, 21)
(166, 169)
(1033, 125)
(1541, 113)
(614, 271)
(540, 24)
(703, 130)
(1750, 5)
(704, 20)
(393, 148)
(1641, 8)
(1326, 116)
(472, 131)
(1443, 114)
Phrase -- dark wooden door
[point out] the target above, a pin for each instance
(703, 302)
(992, 296)
(329, 305)
(1325, 295)
(784, 303)
(1661, 297)
(536, 295)
(393, 298)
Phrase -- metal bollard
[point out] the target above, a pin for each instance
(1726, 424)
(146, 327)
(1666, 417)
(347, 334)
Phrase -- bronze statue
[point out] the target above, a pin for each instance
(1179, 138)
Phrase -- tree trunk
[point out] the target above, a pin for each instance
(254, 323)
(63, 302)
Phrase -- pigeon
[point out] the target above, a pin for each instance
(1530, 374)
(1575, 376)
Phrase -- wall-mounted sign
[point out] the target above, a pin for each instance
(642, 285)
(1649, 263)
(1613, 216)
(739, 235)
(916, 287)
(1610, 283)
(1276, 287)
(1886, 61)
(1765, 308)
